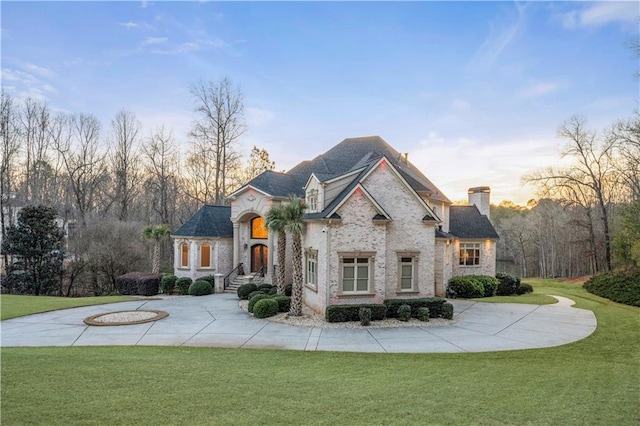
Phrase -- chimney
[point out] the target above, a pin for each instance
(480, 197)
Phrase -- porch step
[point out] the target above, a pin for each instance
(243, 279)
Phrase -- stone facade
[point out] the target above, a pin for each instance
(220, 258)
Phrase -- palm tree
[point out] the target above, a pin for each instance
(275, 222)
(294, 225)
(156, 234)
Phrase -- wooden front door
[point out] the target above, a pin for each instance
(259, 258)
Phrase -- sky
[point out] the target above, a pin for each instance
(474, 92)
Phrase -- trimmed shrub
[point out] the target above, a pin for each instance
(210, 279)
(138, 283)
(344, 313)
(255, 299)
(489, 284)
(288, 289)
(423, 314)
(284, 303)
(200, 288)
(467, 287)
(365, 316)
(245, 289)
(253, 293)
(265, 287)
(507, 285)
(265, 308)
(447, 310)
(525, 288)
(433, 303)
(149, 284)
(183, 284)
(273, 291)
(168, 283)
(619, 286)
(404, 312)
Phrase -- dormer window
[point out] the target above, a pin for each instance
(312, 200)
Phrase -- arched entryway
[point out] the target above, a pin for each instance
(259, 253)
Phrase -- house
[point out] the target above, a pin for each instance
(376, 228)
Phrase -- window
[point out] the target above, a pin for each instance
(356, 273)
(184, 255)
(258, 229)
(312, 200)
(406, 273)
(470, 254)
(312, 269)
(205, 256)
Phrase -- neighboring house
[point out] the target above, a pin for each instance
(376, 228)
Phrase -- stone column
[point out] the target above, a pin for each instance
(236, 244)
(219, 283)
(269, 277)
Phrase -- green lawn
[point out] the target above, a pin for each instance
(594, 381)
(12, 305)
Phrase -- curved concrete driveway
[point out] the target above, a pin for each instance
(216, 320)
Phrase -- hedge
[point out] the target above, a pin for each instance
(343, 313)
(255, 299)
(200, 288)
(619, 286)
(168, 283)
(138, 283)
(433, 303)
(183, 284)
(245, 289)
(507, 284)
(465, 286)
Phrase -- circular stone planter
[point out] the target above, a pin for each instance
(125, 317)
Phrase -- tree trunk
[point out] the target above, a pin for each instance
(296, 291)
(156, 258)
(282, 259)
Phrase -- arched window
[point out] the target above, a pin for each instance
(259, 229)
(184, 255)
(205, 256)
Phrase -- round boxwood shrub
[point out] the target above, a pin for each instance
(467, 287)
(404, 312)
(245, 289)
(273, 291)
(200, 288)
(253, 293)
(365, 316)
(183, 284)
(447, 310)
(168, 283)
(525, 288)
(255, 299)
(423, 313)
(284, 303)
(508, 284)
(265, 287)
(265, 308)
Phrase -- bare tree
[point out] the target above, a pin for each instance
(78, 145)
(125, 161)
(219, 125)
(591, 181)
(258, 162)
(626, 134)
(161, 159)
(35, 120)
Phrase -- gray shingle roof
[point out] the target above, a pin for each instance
(277, 184)
(467, 222)
(209, 221)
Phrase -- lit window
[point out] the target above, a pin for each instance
(356, 274)
(205, 256)
(312, 269)
(258, 229)
(184, 255)
(470, 254)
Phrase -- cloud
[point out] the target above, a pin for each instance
(598, 14)
(155, 40)
(460, 105)
(131, 25)
(540, 89)
(41, 71)
(191, 46)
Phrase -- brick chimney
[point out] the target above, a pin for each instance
(480, 197)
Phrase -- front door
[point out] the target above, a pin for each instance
(259, 258)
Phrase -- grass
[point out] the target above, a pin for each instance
(593, 381)
(12, 305)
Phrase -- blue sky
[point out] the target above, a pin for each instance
(473, 91)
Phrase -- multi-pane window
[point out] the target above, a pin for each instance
(470, 254)
(406, 273)
(312, 269)
(184, 255)
(258, 229)
(312, 200)
(205, 256)
(355, 274)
